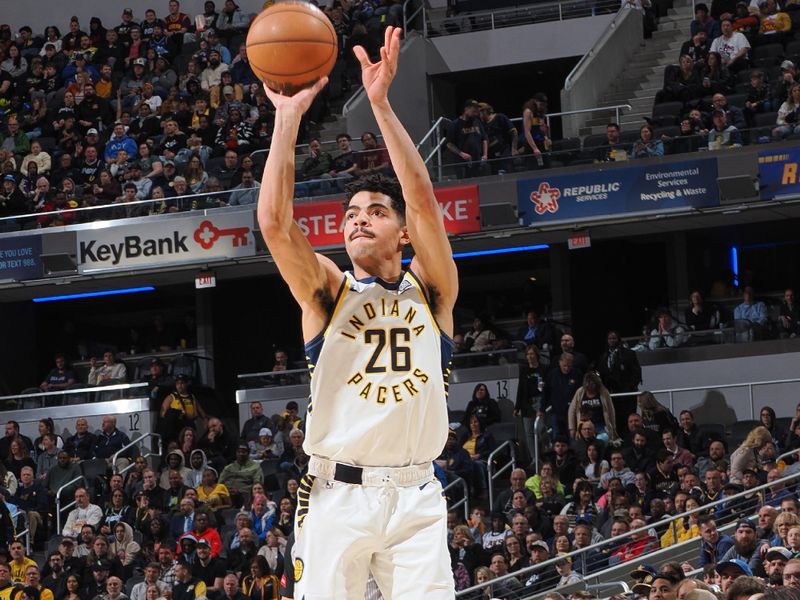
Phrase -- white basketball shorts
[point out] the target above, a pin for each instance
(393, 525)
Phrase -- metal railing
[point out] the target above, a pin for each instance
(59, 508)
(601, 41)
(136, 442)
(26, 533)
(510, 465)
(464, 501)
(626, 537)
(76, 391)
(717, 336)
(490, 20)
(748, 384)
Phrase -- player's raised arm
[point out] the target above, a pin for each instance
(433, 260)
(305, 272)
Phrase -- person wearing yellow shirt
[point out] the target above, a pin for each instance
(32, 577)
(6, 587)
(19, 562)
(180, 408)
(683, 529)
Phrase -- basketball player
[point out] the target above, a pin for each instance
(378, 346)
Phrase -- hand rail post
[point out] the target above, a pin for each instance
(490, 468)
(536, 422)
(58, 501)
(752, 406)
(138, 440)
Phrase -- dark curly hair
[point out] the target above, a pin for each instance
(382, 185)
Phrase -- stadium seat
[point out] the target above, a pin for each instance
(629, 137)
(739, 431)
(712, 431)
(93, 468)
(48, 144)
(767, 55)
(667, 109)
(503, 432)
(766, 119)
(131, 582)
(737, 100)
(594, 141)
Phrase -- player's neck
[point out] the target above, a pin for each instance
(388, 271)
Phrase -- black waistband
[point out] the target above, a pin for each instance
(348, 474)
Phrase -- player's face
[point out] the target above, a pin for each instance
(373, 231)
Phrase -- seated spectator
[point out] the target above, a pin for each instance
(235, 133)
(723, 135)
(583, 508)
(186, 586)
(647, 145)
(207, 568)
(759, 98)
(716, 78)
(667, 334)
(215, 495)
(111, 440)
(264, 448)
(789, 318)
(374, 158)
(31, 498)
(618, 470)
(108, 372)
(732, 47)
(788, 115)
(750, 309)
(314, 176)
(681, 81)
(745, 457)
(239, 476)
(613, 150)
(774, 25)
(84, 513)
(703, 21)
(680, 456)
(141, 589)
(59, 378)
(257, 421)
(218, 446)
(535, 331)
(18, 457)
(784, 82)
(483, 406)
(696, 48)
(699, 316)
(246, 193)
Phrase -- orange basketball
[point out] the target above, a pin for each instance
(291, 45)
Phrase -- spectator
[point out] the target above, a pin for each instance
(111, 440)
(696, 48)
(592, 402)
(789, 318)
(64, 471)
(535, 331)
(212, 74)
(59, 378)
(79, 446)
(208, 569)
(647, 145)
(560, 388)
(120, 141)
(704, 22)
(180, 409)
(620, 372)
(235, 133)
(151, 572)
(774, 25)
(501, 137)
(84, 513)
(689, 435)
(343, 166)
(186, 586)
(750, 309)
(46, 459)
(253, 425)
(744, 457)
(791, 573)
(215, 495)
(667, 333)
(758, 99)
(246, 193)
(698, 316)
(529, 394)
(784, 83)
(732, 46)
(218, 446)
(31, 498)
(240, 475)
(107, 373)
(483, 406)
(535, 128)
(467, 140)
(374, 158)
(788, 115)
(613, 150)
(314, 177)
(747, 550)
(19, 457)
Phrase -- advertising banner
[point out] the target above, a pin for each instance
(611, 192)
(167, 241)
(777, 172)
(323, 222)
(20, 257)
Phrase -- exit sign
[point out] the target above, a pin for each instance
(579, 240)
(205, 279)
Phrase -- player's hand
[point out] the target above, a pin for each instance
(377, 77)
(301, 101)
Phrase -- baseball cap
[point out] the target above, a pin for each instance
(471, 102)
(451, 431)
(563, 558)
(643, 587)
(203, 542)
(92, 131)
(778, 552)
(67, 540)
(189, 538)
(227, 90)
(156, 361)
(787, 64)
(169, 162)
(265, 431)
(541, 545)
(242, 446)
(736, 563)
(127, 11)
(746, 523)
(9, 178)
(182, 377)
(140, 61)
(643, 571)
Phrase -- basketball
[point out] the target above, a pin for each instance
(291, 46)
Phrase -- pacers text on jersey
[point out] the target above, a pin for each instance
(388, 326)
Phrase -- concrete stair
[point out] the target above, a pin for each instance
(644, 75)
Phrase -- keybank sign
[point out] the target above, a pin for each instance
(167, 240)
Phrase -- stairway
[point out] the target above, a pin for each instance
(644, 75)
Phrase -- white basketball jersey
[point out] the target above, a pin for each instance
(379, 377)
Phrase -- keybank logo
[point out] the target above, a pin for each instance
(132, 246)
(180, 240)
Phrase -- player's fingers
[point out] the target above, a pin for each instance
(387, 36)
(361, 56)
(271, 94)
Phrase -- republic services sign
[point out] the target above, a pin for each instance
(166, 240)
